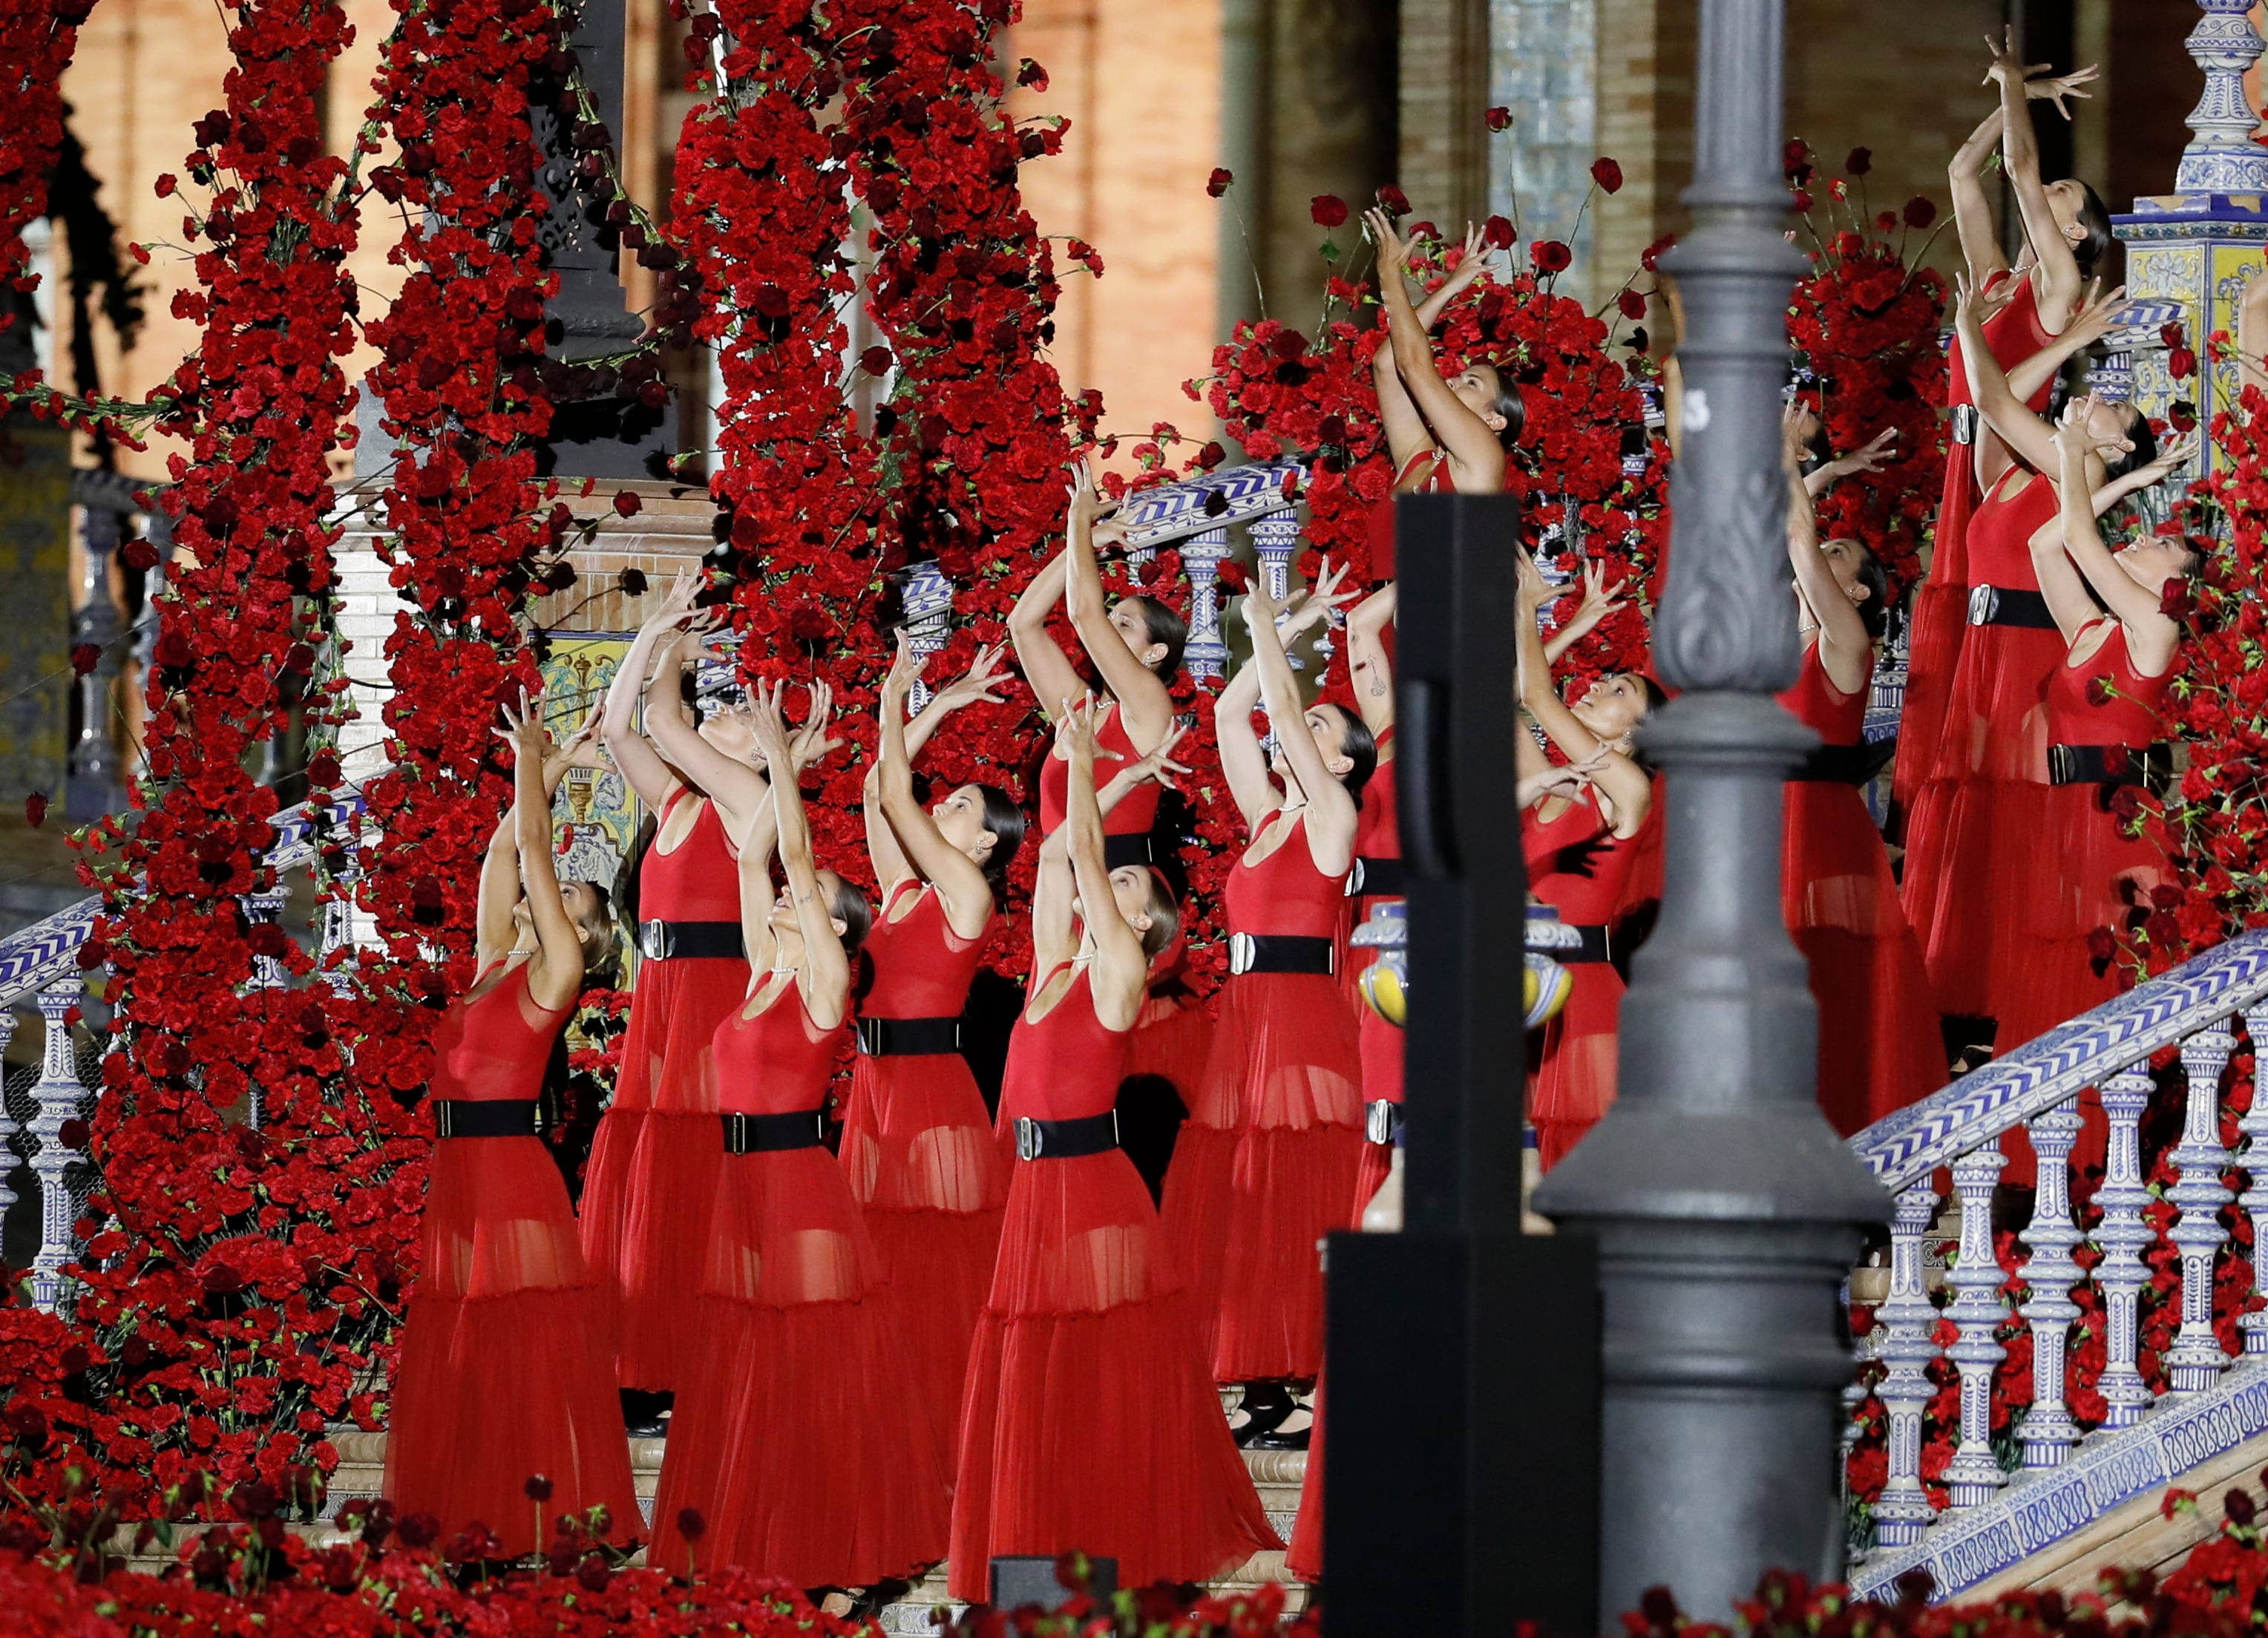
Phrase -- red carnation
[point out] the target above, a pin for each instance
(771, 301)
(1919, 212)
(626, 503)
(691, 1524)
(2182, 414)
(2102, 945)
(1859, 161)
(1219, 181)
(1794, 156)
(2175, 600)
(35, 810)
(1396, 201)
(876, 361)
(1550, 256)
(1231, 575)
(1499, 118)
(2171, 335)
(2181, 364)
(807, 623)
(1496, 233)
(1607, 175)
(593, 1574)
(83, 657)
(536, 1487)
(1633, 303)
(1650, 259)
(1328, 210)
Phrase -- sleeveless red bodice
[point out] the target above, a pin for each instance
(493, 1047)
(1378, 831)
(2011, 335)
(1437, 481)
(2001, 528)
(1066, 1066)
(700, 880)
(1283, 895)
(1576, 864)
(2129, 717)
(775, 1063)
(1136, 812)
(921, 970)
(1838, 718)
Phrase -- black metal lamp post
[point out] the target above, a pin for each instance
(1724, 1209)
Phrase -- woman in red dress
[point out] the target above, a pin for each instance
(1135, 646)
(1090, 1423)
(1991, 757)
(2085, 869)
(1577, 838)
(1266, 1163)
(2066, 229)
(505, 1373)
(1878, 1047)
(1376, 880)
(797, 1442)
(918, 1142)
(654, 1160)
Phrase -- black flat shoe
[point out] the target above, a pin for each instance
(1276, 1438)
(1267, 1407)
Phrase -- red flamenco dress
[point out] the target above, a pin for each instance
(1940, 609)
(1089, 1421)
(795, 1437)
(653, 1162)
(1990, 769)
(505, 1370)
(2084, 870)
(918, 1144)
(1437, 481)
(1577, 864)
(1126, 827)
(1878, 1045)
(1266, 1162)
(1377, 881)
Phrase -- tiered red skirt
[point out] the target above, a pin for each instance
(1264, 1167)
(1090, 1422)
(505, 1372)
(919, 1153)
(791, 1439)
(654, 1164)
(1575, 1079)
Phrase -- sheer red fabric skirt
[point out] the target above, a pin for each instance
(919, 1153)
(505, 1370)
(1090, 1421)
(1575, 1079)
(1264, 1167)
(653, 1165)
(792, 1437)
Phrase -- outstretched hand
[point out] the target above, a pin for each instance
(976, 685)
(811, 742)
(2008, 63)
(1393, 249)
(1159, 764)
(523, 728)
(2059, 88)
(677, 602)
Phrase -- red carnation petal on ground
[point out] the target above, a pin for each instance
(626, 503)
(1219, 181)
(1328, 210)
(35, 809)
(1607, 175)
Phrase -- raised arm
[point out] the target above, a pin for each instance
(1243, 764)
(493, 934)
(1052, 677)
(1844, 649)
(1406, 437)
(2151, 632)
(1331, 810)
(1619, 778)
(1472, 267)
(555, 972)
(633, 754)
(2027, 434)
(1146, 705)
(1973, 215)
(736, 788)
(973, 687)
(1369, 669)
(824, 972)
(959, 883)
(1120, 975)
(1055, 930)
(2056, 272)
(1476, 457)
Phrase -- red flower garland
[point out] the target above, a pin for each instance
(37, 38)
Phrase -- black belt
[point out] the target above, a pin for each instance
(1133, 848)
(1846, 764)
(1570, 943)
(683, 941)
(1375, 878)
(484, 1117)
(2008, 605)
(2109, 764)
(1381, 1120)
(908, 1038)
(763, 1135)
(1066, 1139)
(1284, 952)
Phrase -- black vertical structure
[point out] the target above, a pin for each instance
(601, 435)
(1725, 1210)
(1463, 1466)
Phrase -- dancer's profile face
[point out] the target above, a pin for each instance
(960, 819)
(1613, 705)
(730, 730)
(1126, 619)
(1130, 886)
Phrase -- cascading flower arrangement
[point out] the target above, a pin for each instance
(1864, 322)
(37, 38)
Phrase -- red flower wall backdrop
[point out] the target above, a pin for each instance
(37, 38)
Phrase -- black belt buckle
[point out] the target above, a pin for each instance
(1983, 602)
(1375, 878)
(1381, 1120)
(1028, 1137)
(654, 940)
(1070, 1139)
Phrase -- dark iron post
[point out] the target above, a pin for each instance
(1725, 1210)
